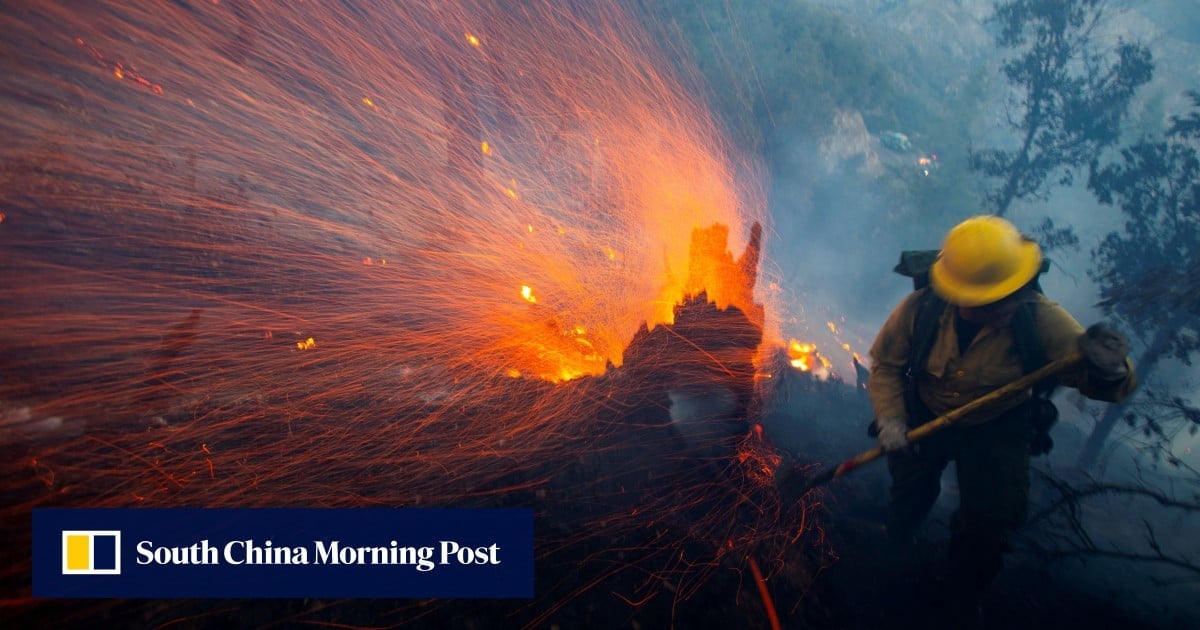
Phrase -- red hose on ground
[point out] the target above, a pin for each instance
(766, 595)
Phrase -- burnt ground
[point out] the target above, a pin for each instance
(630, 530)
(867, 588)
(635, 525)
(616, 578)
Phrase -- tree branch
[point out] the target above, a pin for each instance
(1069, 539)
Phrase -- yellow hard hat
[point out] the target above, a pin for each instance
(983, 259)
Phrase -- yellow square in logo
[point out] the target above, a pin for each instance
(79, 552)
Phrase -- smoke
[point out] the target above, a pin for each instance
(839, 227)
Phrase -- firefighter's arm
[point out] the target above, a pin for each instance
(889, 359)
(1107, 373)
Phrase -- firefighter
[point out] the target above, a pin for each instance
(984, 275)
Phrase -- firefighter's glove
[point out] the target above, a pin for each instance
(1105, 350)
(892, 436)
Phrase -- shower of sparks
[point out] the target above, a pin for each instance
(195, 193)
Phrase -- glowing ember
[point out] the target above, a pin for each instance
(806, 358)
(181, 179)
(248, 179)
(802, 355)
(527, 293)
(927, 164)
(618, 154)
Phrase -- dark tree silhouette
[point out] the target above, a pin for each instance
(1070, 95)
(1148, 274)
(1062, 528)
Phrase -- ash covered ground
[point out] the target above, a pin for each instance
(650, 518)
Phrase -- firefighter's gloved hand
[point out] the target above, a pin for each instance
(1105, 349)
(892, 436)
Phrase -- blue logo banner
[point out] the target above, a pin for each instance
(164, 553)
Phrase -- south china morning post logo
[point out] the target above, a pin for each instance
(91, 552)
(331, 552)
(162, 553)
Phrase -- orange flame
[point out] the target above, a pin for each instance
(265, 189)
(803, 356)
(806, 358)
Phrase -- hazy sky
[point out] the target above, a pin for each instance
(828, 251)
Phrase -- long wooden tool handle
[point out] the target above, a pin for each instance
(954, 415)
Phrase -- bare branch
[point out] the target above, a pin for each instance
(1060, 532)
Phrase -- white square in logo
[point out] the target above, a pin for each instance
(91, 552)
